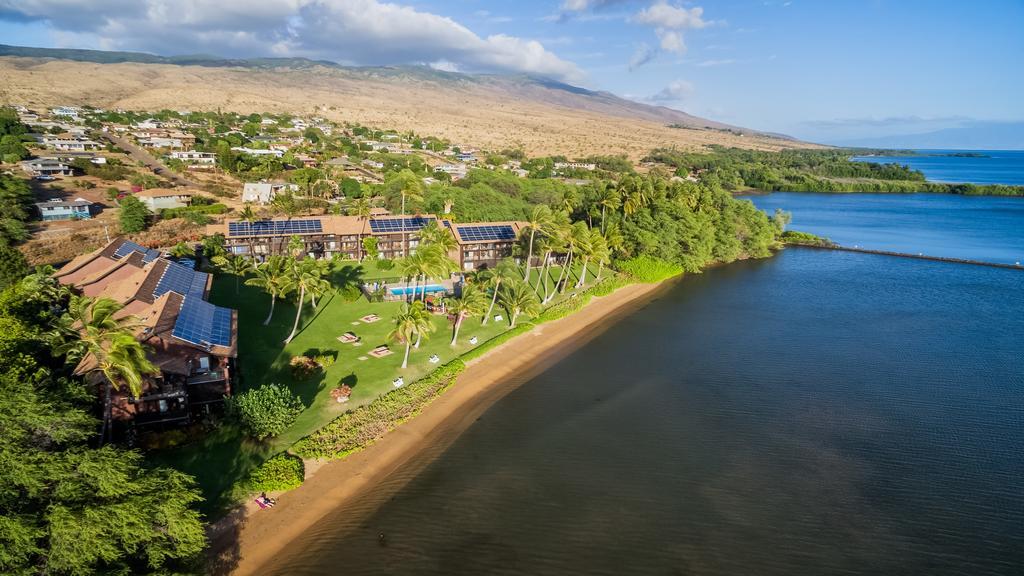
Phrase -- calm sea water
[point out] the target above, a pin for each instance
(984, 228)
(813, 413)
(996, 167)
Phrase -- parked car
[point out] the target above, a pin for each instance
(44, 178)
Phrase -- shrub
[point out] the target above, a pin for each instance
(649, 269)
(385, 264)
(304, 367)
(185, 211)
(324, 360)
(265, 411)
(282, 472)
(804, 239)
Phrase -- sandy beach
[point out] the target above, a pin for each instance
(246, 542)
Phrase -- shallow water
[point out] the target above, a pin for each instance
(813, 413)
(985, 228)
(991, 167)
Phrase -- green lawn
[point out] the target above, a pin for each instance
(226, 455)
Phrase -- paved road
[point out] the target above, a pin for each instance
(140, 154)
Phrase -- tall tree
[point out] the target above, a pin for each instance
(234, 265)
(273, 277)
(411, 322)
(410, 186)
(249, 216)
(517, 298)
(470, 303)
(306, 277)
(493, 278)
(541, 220)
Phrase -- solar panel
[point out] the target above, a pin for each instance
(127, 247)
(393, 225)
(181, 279)
(274, 227)
(486, 233)
(202, 323)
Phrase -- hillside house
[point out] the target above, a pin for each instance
(194, 159)
(265, 192)
(158, 199)
(46, 167)
(57, 209)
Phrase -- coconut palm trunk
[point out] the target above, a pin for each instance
(583, 276)
(405, 361)
(298, 315)
(494, 299)
(529, 255)
(600, 269)
(458, 324)
(515, 315)
(273, 299)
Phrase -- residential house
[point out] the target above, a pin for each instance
(150, 124)
(259, 151)
(192, 342)
(194, 159)
(158, 199)
(264, 192)
(70, 144)
(57, 209)
(71, 112)
(46, 167)
(456, 171)
(575, 166)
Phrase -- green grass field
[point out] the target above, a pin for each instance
(225, 455)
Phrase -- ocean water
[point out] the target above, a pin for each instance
(813, 413)
(985, 228)
(996, 167)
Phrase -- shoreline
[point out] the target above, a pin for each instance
(245, 542)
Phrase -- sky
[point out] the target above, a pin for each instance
(828, 71)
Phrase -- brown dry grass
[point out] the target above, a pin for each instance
(481, 114)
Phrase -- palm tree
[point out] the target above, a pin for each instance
(213, 246)
(636, 193)
(237, 267)
(273, 277)
(574, 236)
(411, 187)
(541, 219)
(471, 303)
(599, 251)
(99, 333)
(412, 321)
(584, 245)
(434, 263)
(305, 277)
(409, 267)
(433, 234)
(517, 298)
(494, 277)
(182, 250)
(609, 199)
(249, 216)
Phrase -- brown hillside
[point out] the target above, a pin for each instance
(488, 112)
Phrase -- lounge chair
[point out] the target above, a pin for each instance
(434, 359)
(380, 351)
(398, 382)
(473, 340)
(348, 338)
(498, 318)
(369, 318)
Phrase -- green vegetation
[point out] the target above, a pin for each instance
(134, 216)
(811, 171)
(649, 269)
(70, 507)
(12, 136)
(265, 411)
(804, 239)
(15, 209)
(282, 472)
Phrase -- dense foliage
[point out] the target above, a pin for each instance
(282, 472)
(810, 171)
(15, 209)
(265, 411)
(134, 216)
(13, 135)
(67, 507)
(649, 269)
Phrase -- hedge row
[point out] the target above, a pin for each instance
(567, 307)
(168, 213)
(649, 269)
(361, 427)
(282, 472)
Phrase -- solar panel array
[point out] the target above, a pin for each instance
(202, 323)
(127, 247)
(274, 227)
(181, 279)
(393, 225)
(482, 233)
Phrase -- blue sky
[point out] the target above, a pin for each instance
(822, 70)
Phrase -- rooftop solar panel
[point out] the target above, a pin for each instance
(486, 233)
(274, 227)
(127, 247)
(394, 225)
(202, 323)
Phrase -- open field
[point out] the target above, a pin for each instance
(492, 113)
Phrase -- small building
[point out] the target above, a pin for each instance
(161, 142)
(71, 112)
(258, 151)
(46, 167)
(70, 144)
(456, 171)
(57, 209)
(158, 199)
(265, 192)
(192, 158)
(575, 166)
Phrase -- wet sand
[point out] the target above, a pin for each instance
(245, 543)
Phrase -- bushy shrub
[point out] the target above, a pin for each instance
(385, 264)
(304, 367)
(804, 239)
(265, 411)
(649, 269)
(282, 472)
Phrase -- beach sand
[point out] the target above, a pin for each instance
(245, 542)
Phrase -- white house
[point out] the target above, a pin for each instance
(193, 158)
(70, 144)
(456, 171)
(162, 198)
(264, 192)
(575, 166)
(46, 167)
(150, 124)
(67, 111)
(161, 142)
(258, 151)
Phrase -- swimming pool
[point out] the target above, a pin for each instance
(429, 288)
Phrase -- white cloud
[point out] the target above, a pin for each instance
(710, 63)
(669, 21)
(369, 32)
(584, 5)
(676, 91)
